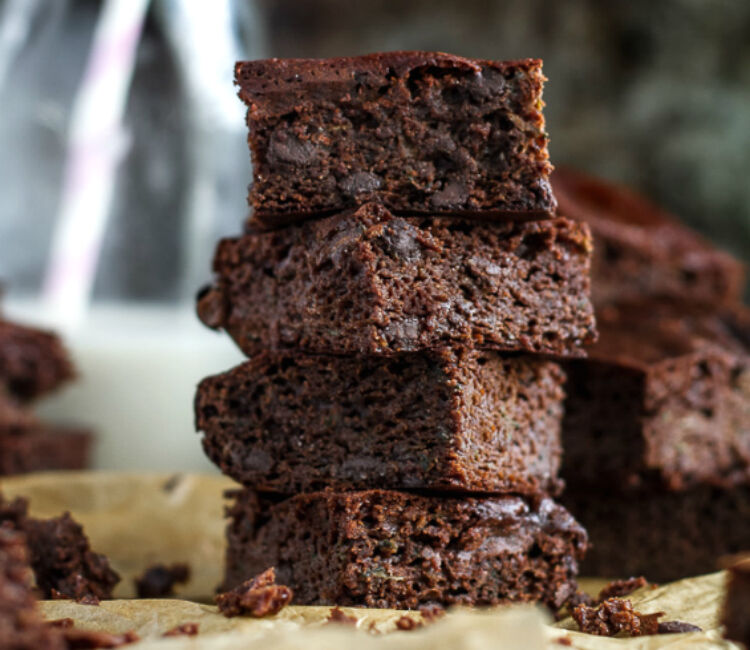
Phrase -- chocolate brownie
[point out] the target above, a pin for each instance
(60, 554)
(642, 252)
(21, 625)
(32, 361)
(663, 394)
(736, 613)
(452, 420)
(416, 131)
(367, 282)
(44, 448)
(379, 548)
(661, 534)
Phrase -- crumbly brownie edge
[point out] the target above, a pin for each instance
(321, 135)
(511, 287)
(392, 549)
(454, 420)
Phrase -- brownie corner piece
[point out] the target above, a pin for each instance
(379, 548)
(368, 282)
(418, 131)
(455, 420)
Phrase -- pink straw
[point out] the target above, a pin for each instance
(96, 144)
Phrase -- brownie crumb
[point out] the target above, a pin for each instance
(614, 616)
(677, 627)
(186, 629)
(258, 597)
(563, 640)
(431, 613)
(620, 588)
(60, 555)
(577, 598)
(337, 615)
(79, 594)
(158, 580)
(407, 623)
(61, 623)
(77, 639)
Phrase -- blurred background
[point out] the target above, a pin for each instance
(123, 155)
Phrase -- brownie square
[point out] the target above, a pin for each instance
(32, 361)
(380, 548)
(641, 252)
(452, 420)
(660, 534)
(736, 613)
(663, 395)
(416, 131)
(368, 282)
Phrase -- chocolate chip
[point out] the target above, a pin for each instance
(359, 183)
(453, 195)
(286, 148)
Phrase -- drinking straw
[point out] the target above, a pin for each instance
(96, 144)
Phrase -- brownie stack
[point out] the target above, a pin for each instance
(657, 425)
(404, 296)
(32, 364)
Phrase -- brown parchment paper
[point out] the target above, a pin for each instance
(137, 519)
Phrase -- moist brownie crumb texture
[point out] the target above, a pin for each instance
(34, 363)
(405, 297)
(415, 131)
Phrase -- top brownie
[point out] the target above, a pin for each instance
(416, 131)
(32, 361)
(641, 252)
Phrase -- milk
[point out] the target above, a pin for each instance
(138, 368)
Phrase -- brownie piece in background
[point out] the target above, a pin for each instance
(657, 533)
(44, 447)
(21, 624)
(32, 361)
(641, 252)
(60, 555)
(736, 614)
(451, 420)
(367, 282)
(663, 394)
(416, 131)
(379, 548)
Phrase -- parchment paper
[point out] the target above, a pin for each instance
(140, 519)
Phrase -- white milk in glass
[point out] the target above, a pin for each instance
(138, 368)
